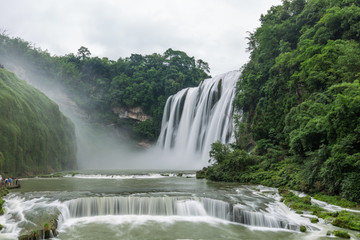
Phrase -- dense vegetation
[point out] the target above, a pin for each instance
(300, 98)
(98, 85)
(35, 136)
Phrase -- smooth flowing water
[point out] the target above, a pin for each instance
(194, 118)
(151, 205)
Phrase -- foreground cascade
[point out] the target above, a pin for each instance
(196, 117)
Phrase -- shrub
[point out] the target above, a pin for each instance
(350, 187)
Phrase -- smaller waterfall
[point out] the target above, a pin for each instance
(176, 206)
(217, 208)
(194, 118)
(259, 219)
(20, 212)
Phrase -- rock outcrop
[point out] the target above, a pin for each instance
(135, 113)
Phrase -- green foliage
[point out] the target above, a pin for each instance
(342, 234)
(98, 85)
(227, 164)
(201, 173)
(299, 203)
(314, 220)
(35, 136)
(347, 220)
(336, 200)
(146, 129)
(300, 97)
(302, 228)
(46, 227)
(1, 206)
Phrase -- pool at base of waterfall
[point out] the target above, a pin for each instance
(151, 205)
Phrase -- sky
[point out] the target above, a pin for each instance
(212, 30)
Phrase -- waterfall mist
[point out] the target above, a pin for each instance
(193, 119)
(98, 146)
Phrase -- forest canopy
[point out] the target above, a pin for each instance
(98, 85)
(299, 95)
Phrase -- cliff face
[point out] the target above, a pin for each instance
(135, 113)
(35, 137)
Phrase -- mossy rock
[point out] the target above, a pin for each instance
(314, 220)
(342, 234)
(1, 227)
(347, 220)
(179, 174)
(302, 228)
(283, 191)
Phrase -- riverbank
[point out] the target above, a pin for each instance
(85, 202)
(336, 215)
(344, 213)
(3, 192)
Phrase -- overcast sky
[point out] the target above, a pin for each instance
(212, 30)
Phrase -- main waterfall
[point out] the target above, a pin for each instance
(196, 117)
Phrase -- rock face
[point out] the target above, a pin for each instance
(135, 113)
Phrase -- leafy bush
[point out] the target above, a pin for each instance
(350, 186)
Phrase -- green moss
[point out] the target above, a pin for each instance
(299, 203)
(1, 206)
(302, 229)
(314, 220)
(46, 226)
(342, 234)
(35, 136)
(347, 220)
(337, 200)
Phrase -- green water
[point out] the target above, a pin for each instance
(42, 199)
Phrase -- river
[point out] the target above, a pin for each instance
(151, 205)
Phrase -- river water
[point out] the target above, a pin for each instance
(151, 205)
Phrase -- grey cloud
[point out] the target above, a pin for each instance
(213, 30)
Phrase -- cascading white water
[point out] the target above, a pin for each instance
(194, 118)
(21, 212)
(173, 206)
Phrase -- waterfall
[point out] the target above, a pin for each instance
(276, 215)
(175, 206)
(196, 117)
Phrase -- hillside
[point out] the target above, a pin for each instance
(104, 88)
(300, 99)
(35, 137)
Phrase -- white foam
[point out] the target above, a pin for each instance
(120, 177)
(138, 220)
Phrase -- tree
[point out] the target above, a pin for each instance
(83, 53)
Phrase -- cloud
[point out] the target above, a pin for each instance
(213, 30)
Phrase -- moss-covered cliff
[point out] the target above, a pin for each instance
(35, 137)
